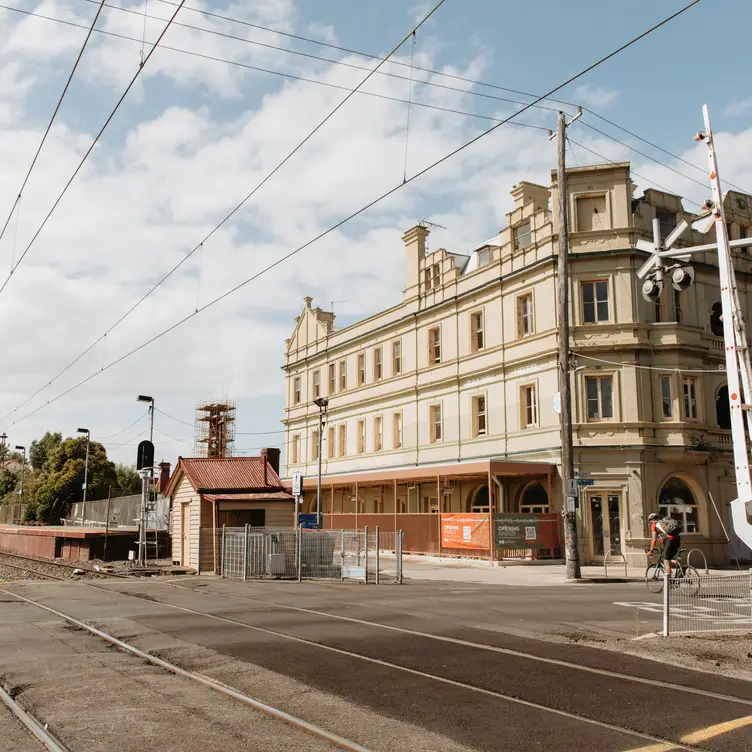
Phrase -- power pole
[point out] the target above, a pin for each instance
(569, 513)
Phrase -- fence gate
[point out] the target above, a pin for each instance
(718, 603)
(298, 553)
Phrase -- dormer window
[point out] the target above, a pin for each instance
(523, 235)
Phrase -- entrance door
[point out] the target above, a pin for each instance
(185, 532)
(605, 523)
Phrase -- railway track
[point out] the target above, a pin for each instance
(33, 725)
(46, 568)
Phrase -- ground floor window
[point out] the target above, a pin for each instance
(534, 500)
(677, 501)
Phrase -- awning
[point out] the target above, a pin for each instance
(261, 496)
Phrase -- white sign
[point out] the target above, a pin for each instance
(572, 487)
(570, 504)
(557, 403)
(297, 483)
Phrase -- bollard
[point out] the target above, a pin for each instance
(666, 584)
(378, 548)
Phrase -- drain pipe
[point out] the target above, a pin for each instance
(502, 500)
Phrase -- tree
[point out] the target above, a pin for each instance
(42, 450)
(61, 480)
(128, 478)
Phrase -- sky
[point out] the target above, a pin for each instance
(198, 132)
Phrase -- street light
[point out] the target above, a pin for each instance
(86, 471)
(150, 401)
(20, 492)
(322, 403)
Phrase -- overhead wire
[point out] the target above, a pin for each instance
(360, 211)
(237, 433)
(123, 430)
(90, 149)
(52, 119)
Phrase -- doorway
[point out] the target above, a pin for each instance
(185, 531)
(604, 512)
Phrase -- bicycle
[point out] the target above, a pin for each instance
(684, 577)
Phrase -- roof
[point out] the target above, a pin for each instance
(259, 496)
(231, 474)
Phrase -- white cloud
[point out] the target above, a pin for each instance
(739, 107)
(597, 97)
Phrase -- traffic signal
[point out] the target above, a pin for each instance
(682, 278)
(652, 287)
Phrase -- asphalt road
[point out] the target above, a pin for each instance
(426, 666)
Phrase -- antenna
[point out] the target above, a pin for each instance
(425, 222)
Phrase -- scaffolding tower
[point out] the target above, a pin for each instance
(215, 429)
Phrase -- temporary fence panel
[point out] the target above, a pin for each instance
(527, 536)
(209, 548)
(715, 603)
(119, 513)
(9, 513)
(465, 535)
(300, 553)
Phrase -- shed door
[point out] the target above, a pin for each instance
(185, 529)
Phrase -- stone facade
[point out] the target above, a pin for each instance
(463, 368)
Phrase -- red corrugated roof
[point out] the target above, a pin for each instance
(259, 496)
(239, 474)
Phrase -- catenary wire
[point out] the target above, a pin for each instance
(91, 148)
(425, 70)
(237, 433)
(357, 213)
(54, 115)
(664, 369)
(123, 430)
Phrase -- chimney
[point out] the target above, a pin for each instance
(271, 456)
(524, 193)
(415, 251)
(164, 476)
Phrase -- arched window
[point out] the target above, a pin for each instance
(534, 500)
(722, 408)
(479, 500)
(676, 500)
(716, 320)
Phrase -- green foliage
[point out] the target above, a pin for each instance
(128, 478)
(42, 450)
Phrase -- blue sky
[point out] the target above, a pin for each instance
(195, 136)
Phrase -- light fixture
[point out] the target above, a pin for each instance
(321, 402)
(82, 430)
(144, 398)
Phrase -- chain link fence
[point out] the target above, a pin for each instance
(299, 553)
(715, 603)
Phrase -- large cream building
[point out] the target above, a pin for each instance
(446, 399)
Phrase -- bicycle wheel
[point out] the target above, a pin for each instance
(690, 582)
(654, 578)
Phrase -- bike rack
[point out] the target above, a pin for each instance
(624, 559)
(689, 556)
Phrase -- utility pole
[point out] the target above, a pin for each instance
(322, 403)
(569, 512)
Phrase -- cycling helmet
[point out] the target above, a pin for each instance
(652, 516)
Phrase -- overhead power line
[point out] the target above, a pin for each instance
(123, 430)
(279, 166)
(54, 115)
(91, 148)
(358, 212)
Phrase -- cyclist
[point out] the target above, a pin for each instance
(668, 531)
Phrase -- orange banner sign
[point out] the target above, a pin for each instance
(468, 531)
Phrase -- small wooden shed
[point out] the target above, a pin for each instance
(207, 493)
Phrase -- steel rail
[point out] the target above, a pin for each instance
(34, 727)
(32, 571)
(224, 689)
(60, 564)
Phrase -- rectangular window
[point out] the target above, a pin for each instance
(677, 307)
(667, 220)
(427, 278)
(595, 301)
(690, 398)
(529, 404)
(397, 427)
(435, 418)
(396, 357)
(361, 369)
(295, 449)
(332, 378)
(316, 384)
(523, 235)
(377, 366)
(342, 375)
(330, 443)
(296, 390)
(342, 448)
(600, 397)
(434, 345)
(378, 434)
(667, 403)
(314, 446)
(477, 332)
(591, 213)
(729, 230)
(525, 317)
(437, 276)
(485, 257)
(743, 233)
(658, 310)
(361, 436)
(479, 415)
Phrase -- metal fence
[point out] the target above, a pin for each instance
(715, 603)
(9, 513)
(119, 513)
(298, 553)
